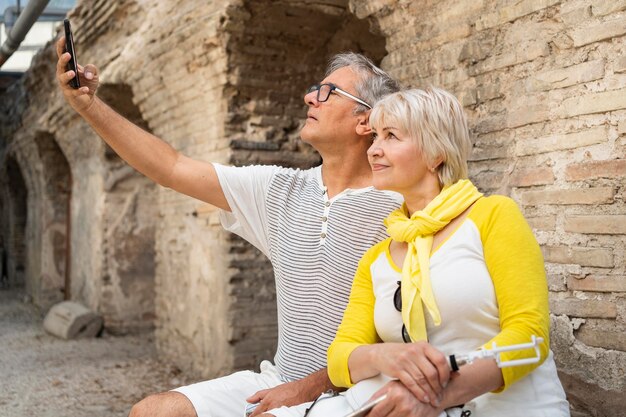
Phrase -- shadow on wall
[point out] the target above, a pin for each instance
(277, 50)
(127, 284)
(13, 228)
(51, 280)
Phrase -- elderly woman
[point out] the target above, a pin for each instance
(459, 272)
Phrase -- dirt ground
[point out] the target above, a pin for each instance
(43, 376)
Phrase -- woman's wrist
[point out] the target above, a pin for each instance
(362, 362)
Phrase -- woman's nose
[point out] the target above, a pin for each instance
(374, 150)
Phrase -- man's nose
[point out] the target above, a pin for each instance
(311, 98)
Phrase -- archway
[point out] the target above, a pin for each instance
(52, 282)
(276, 50)
(14, 224)
(127, 284)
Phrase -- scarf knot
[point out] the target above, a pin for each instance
(418, 231)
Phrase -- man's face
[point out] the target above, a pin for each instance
(333, 120)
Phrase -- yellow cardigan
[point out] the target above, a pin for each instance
(515, 264)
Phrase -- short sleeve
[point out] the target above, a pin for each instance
(245, 189)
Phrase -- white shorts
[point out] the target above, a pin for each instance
(336, 405)
(226, 396)
(347, 402)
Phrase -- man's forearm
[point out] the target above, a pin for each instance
(317, 383)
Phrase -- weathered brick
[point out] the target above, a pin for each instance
(620, 65)
(600, 195)
(490, 181)
(530, 113)
(561, 142)
(602, 8)
(596, 169)
(575, 307)
(532, 176)
(511, 13)
(542, 222)
(556, 283)
(599, 31)
(598, 224)
(491, 124)
(488, 92)
(575, 15)
(480, 153)
(598, 283)
(608, 337)
(514, 56)
(593, 103)
(565, 77)
(363, 9)
(597, 257)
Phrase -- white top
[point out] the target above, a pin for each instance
(469, 309)
(314, 245)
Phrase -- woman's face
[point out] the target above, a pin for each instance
(396, 161)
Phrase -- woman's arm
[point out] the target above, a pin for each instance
(473, 380)
(420, 367)
(516, 266)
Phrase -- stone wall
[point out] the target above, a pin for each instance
(72, 187)
(543, 83)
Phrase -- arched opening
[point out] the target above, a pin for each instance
(276, 50)
(14, 225)
(53, 281)
(127, 283)
(279, 49)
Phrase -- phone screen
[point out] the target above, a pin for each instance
(69, 47)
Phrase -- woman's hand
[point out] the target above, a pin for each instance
(401, 402)
(421, 368)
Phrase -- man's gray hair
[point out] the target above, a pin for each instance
(373, 83)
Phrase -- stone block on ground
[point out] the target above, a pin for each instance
(71, 320)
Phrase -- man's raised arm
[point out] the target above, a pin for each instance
(143, 151)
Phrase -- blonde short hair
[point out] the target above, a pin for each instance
(435, 119)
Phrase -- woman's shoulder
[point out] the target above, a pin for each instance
(372, 253)
(492, 204)
(495, 208)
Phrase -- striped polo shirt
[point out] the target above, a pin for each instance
(314, 244)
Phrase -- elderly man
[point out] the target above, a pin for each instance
(313, 225)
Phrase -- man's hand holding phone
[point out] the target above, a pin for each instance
(82, 97)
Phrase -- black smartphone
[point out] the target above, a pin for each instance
(69, 47)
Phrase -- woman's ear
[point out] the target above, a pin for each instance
(436, 163)
(439, 161)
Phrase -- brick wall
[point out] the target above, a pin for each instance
(543, 83)
(278, 49)
(544, 86)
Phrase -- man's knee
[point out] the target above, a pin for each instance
(165, 404)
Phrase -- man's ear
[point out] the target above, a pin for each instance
(363, 124)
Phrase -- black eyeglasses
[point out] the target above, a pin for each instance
(397, 303)
(324, 90)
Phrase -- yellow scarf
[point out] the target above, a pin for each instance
(418, 232)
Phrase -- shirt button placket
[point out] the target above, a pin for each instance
(324, 231)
